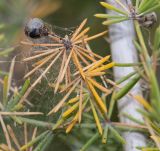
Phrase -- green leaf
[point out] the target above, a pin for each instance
(155, 91)
(126, 77)
(146, 6)
(117, 136)
(114, 21)
(95, 115)
(105, 134)
(111, 7)
(130, 117)
(137, 45)
(108, 16)
(111, 105)
(37, 123)
(123, 91)
(152, 9)
(137, 4)
(15, 99)
(5, 88)
(90, 142)
(157, 39)
(126, 64)
(148, 115)
(10, 75)
(16, 119)
(45, 142)
(35, 140)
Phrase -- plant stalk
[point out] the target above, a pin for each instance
(123, 51)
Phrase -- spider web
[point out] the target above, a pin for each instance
(42, 96)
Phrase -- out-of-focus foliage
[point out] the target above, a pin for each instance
(4, 52)
(15, 13)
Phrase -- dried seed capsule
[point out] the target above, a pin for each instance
(148, 20)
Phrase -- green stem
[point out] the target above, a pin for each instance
(141, 40)
(37, 123)
(90, 142)
(155, 91)
(127, 64)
